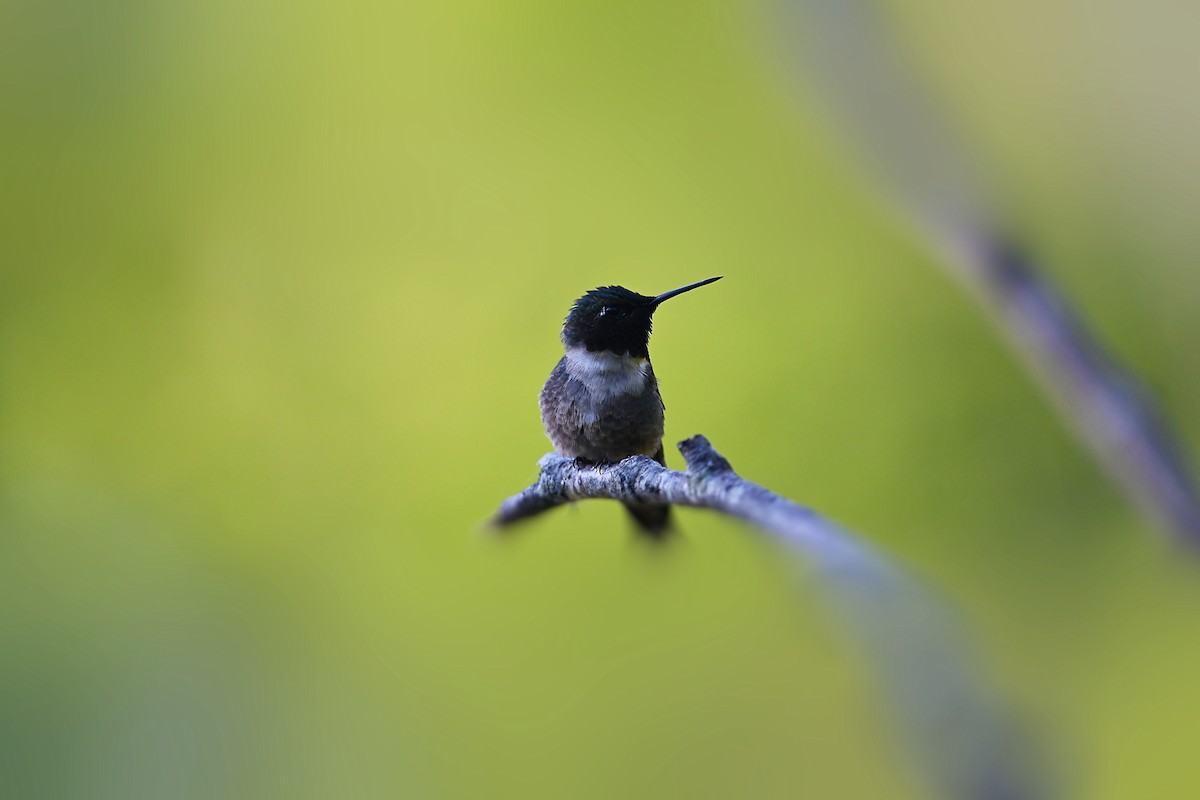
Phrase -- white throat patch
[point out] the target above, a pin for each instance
(607, 374)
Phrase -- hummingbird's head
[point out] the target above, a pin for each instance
(613, 319)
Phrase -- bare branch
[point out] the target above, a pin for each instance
(710, 482)
(850, 51)
(1109, 409)
(951, 723)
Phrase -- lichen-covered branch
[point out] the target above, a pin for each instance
(955, 727)
(709, 482)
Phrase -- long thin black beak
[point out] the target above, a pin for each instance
(688, 288)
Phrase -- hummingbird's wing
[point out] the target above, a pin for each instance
(660, 456)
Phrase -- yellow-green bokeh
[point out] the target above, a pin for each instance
(279, 284)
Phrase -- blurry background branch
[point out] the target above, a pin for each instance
(960, 735)
(1104, 404)
(848, 50)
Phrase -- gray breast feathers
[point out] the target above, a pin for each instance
(602, 408)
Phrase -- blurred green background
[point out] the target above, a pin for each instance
(280, 282)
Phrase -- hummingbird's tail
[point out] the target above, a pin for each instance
(653, 520)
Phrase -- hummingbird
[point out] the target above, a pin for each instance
(601, 403)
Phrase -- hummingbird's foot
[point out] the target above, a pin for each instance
(587, 462)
